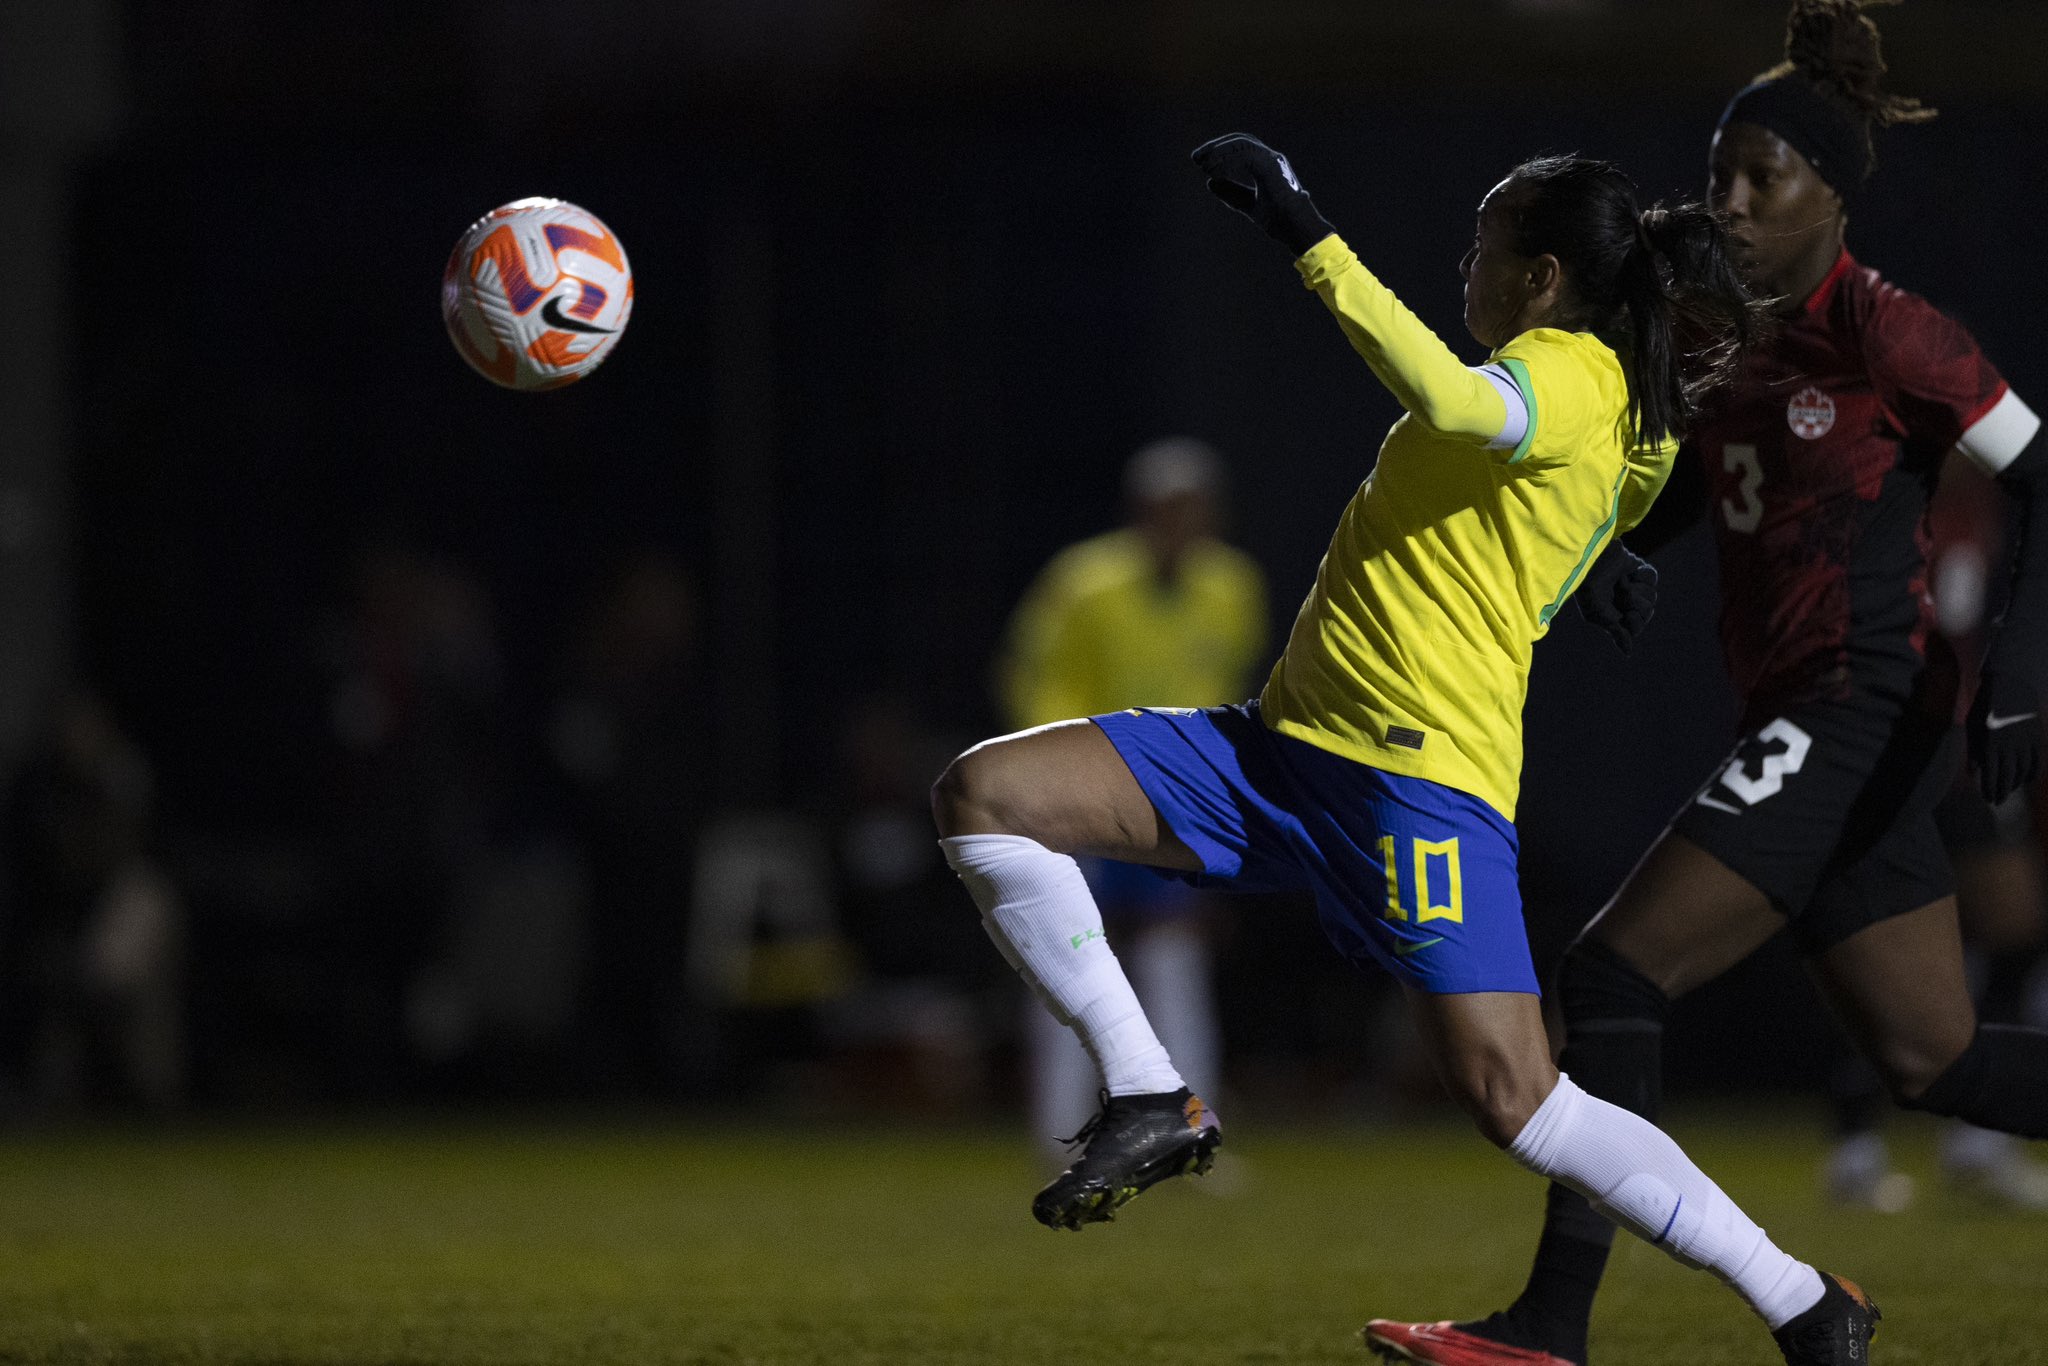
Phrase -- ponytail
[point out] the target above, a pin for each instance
(1691, 318)
(1658, 277)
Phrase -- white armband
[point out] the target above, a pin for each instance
(1996, 439)
(1516, 425)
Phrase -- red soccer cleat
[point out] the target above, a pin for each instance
(1441, 1344)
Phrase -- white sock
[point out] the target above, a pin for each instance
(1636, 1176)
(1037, 907)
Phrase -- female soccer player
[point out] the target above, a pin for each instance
(1380, 765)
(1822, 459)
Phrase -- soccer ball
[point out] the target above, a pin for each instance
(536, 294)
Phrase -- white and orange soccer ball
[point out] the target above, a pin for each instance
(536, 294)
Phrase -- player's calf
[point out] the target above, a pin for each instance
(1999, 1082)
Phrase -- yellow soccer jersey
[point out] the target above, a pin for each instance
(1412, 652)
(1098, 632)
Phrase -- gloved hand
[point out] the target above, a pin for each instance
(1259, 183)
(2004, 733)
(1619, 593)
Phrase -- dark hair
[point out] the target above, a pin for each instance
(1659, 279)
(1835, 45)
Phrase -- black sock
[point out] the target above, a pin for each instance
(1614, 1049)
(2000, 1082)
(1555, 1307)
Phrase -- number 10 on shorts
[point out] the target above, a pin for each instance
(1436, 883)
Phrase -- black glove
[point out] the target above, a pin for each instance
(1619, 593)
(1257, 181)
(2004, 734)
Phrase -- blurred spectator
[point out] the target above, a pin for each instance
(630, 733)
(415, 718)
(1158, 613)
(918, 1029)
(91, 962)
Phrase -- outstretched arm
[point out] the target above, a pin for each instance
(1486, 406)
(1412, 361)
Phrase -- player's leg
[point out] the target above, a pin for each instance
(1440, 909)
(1012, 813)
(1160, 937)
(1064, 1086)
(2004, 913)
(1492, 1053)
(1901, 991)
(1063, 786)
(1681, 919)
(1881, 936)
(1752, 842)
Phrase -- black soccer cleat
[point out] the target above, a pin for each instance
(1835, 1332)
(1136, 1142)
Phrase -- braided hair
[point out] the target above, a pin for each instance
(1836, 45)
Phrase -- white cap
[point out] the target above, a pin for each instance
(1173, 466)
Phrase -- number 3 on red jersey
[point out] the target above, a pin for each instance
(1739, 458)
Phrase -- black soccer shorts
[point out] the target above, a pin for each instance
(1829, 811)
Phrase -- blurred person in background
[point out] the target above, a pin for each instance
(417, 737)
(1381, 766)
(1160, 612)
(1817, 468)
(92, 947)
(916, 1029)
(627, 733)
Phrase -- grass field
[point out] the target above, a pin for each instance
(661, 1243)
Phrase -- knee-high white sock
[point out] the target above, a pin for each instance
(1037, 907)
(1636, 1176)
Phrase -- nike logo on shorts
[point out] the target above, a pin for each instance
(1403, 950)
(1996, 722)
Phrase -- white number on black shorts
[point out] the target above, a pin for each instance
(1776, 767)
(1739, 457)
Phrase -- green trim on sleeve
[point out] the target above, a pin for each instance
(1520, 373)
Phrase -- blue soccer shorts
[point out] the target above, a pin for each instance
(1412, 875)
(1138, 895)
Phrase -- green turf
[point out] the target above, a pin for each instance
(530, 1243)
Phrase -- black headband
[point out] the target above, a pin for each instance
(1834, 140)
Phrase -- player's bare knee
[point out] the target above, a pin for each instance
(1499, 1096)
(966, 797)
(1502, 1112)
(984, 792)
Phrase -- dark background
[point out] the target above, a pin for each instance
(913, 280)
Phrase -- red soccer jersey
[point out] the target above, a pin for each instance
(1821, 461)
